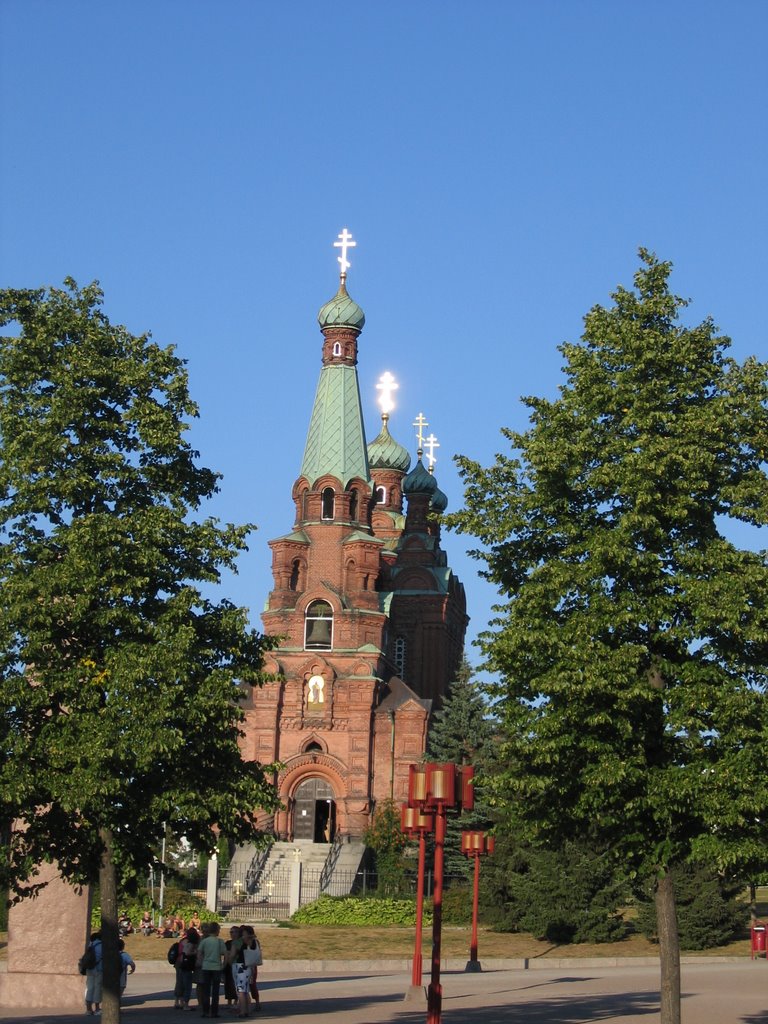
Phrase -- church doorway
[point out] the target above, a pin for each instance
(314, 811)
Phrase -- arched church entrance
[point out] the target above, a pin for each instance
(314, 811)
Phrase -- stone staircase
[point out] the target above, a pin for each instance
(262, 878)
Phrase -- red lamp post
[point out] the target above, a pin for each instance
(416, 823)
(475, 844)
(438, 788)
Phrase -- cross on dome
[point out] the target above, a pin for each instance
(420, 423)
(430, 444)
(386, 385)
(345, 243)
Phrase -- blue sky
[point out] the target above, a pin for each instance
(498, 163)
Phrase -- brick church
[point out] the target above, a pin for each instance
(371, 615)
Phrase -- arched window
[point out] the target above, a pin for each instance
(293, 582)
(328, 502)
(313, 745)
(400, 646)
(353, 504)
(303, 503)
(380, 494)
(318, 626)
(337, 348)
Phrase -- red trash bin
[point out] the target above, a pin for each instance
(757, 937)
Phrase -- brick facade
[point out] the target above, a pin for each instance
(372, 619)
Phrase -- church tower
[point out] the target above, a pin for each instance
(371, 617)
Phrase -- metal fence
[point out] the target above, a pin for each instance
(269, 903)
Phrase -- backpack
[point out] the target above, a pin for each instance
(173, 953)
(188, 961)
(87, 961)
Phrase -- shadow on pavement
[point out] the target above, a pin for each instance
(583, 1010)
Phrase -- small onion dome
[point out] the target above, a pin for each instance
(341, 311)
(385, 453)
(439, 501)
(419, 481)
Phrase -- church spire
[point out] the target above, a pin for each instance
(336, 443)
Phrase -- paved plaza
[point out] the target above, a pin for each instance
(714, 993)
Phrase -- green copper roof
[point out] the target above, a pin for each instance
(439, 501)
(341, 311)
(336, 436)
(419, 481)
(385, 453)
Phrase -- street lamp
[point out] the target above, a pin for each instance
(475, 844)
(416, 823)
(438, 788)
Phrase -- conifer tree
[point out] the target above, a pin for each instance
(632, 641)
(462, 732)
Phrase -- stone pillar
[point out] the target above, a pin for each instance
(47, 935)
(212, 888)
(294, 893)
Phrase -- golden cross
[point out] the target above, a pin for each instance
(387, 384)
(420, 423)
(430, 445)
(345, 243)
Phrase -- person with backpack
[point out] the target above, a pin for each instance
(94, 977)
(184, 961)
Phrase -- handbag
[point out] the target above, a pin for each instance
(252, 956)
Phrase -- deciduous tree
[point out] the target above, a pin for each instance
(632, 641)
(120, 680)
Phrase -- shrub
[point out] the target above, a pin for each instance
(457, 905)
(388, 842)
(567, 895)
(352, 910)
(709, 912)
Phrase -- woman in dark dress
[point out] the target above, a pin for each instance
(230, 993)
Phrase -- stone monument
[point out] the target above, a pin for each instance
(47, 935)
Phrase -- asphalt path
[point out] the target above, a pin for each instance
(713, 993)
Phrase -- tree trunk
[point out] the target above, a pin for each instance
(109, 936)
(669, 950)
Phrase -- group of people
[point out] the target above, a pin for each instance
(94, 976)
(203, 957)
(172, 927)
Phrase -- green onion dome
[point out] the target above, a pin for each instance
(385, 453)
(419, 481)
(439, 501)
(341, 311)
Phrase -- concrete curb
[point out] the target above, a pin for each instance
(329, 967)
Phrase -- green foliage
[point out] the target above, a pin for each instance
(351, 910)
(463, 732)
(120, 681)
(710, 911)
(385, 837)
(572, 894)
(457, 905)
(632, 644)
